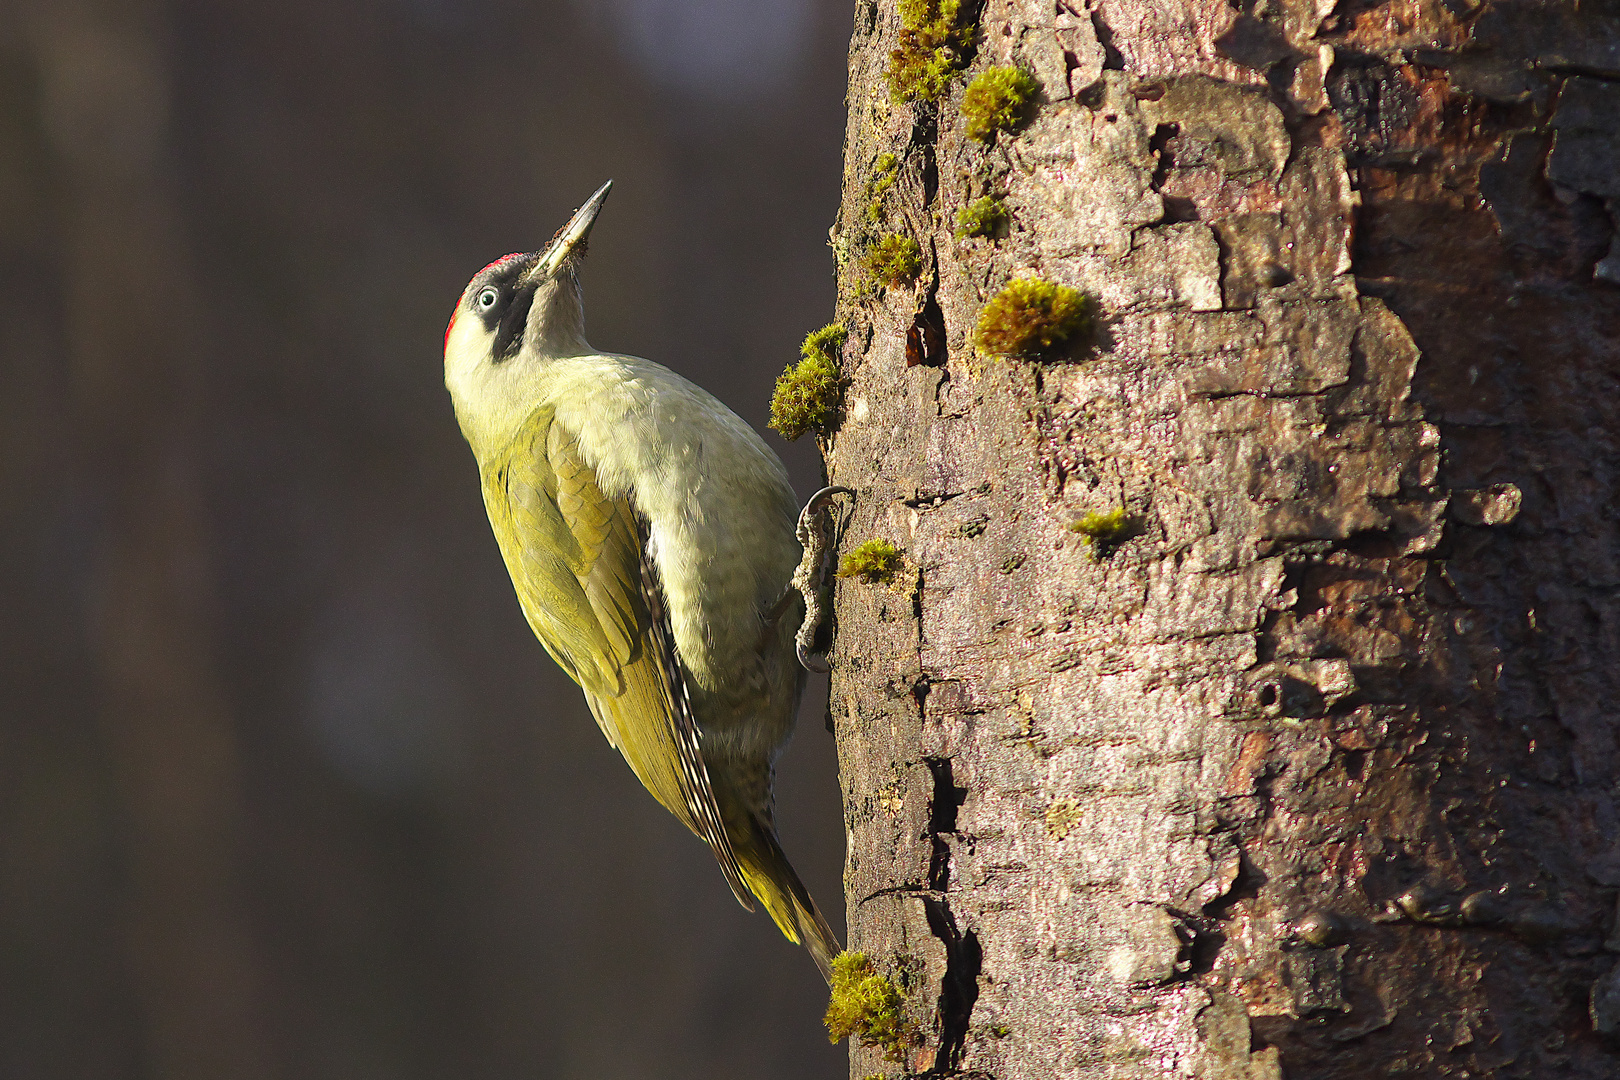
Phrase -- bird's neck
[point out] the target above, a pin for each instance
(557, 318)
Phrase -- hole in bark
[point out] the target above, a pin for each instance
(1201, 954)
(1246, 886)
(1296, 580)
(1159, 146)
(1370, 544)
(925, 341)
(930, 180)
(1280, 76)
(1266, 644)
(1354, 762)
(1300, 699)
(1268, 695)
(1315, 584)
(919, 693)
(1177, 209)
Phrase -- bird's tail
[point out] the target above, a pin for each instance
(770, 877)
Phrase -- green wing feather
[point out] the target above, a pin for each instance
(579, 563)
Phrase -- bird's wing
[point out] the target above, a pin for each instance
(585, 580)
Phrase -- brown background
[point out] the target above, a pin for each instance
(287, 788)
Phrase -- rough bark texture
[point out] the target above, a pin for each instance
(1314, 774)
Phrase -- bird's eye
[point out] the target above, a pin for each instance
(487, 298)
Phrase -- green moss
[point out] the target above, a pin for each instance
(807, 393)
(884, 174)
(1104, 529)
(825, 343)
(1030, 317)
(921, 14)
(930, 50)
(995, 101)
(894, 260)
(981, 217)
(1102, 524)
(875, 562)
(866, 1005)
(918, 73)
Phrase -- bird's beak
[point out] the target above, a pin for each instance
(570, 237)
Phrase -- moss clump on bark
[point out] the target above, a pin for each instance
(894, 260)
(996, 101)
(884, 173)
(981, 217)
(807, 393)
(825, 343)
(866, 1005)
(1101, 524)
(1104, 529)
(1032, 317)
(875, 562)
(930, 50)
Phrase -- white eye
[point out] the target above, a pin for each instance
(487, 298)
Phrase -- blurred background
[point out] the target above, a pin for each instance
(287, 788)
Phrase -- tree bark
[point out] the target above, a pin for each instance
(1312, 772)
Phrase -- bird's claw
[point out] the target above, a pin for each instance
(816, 504)
(815, 535)
(813, 662)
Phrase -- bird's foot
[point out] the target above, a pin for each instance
(815, 533)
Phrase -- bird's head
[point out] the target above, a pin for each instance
(518, 310)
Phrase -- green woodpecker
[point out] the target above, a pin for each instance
(650, 534)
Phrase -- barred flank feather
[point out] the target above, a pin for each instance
(705, 816)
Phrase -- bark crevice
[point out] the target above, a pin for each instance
(959, 985)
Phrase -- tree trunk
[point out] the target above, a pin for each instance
(1296, 756)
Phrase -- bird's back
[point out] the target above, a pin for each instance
(719, 514)
(649, 534)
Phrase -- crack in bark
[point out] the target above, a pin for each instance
(959, 987)
(947, 800)
(1113, 59)
(926, 501)
(908, 889)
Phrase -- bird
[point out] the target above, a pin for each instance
(650, 536)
